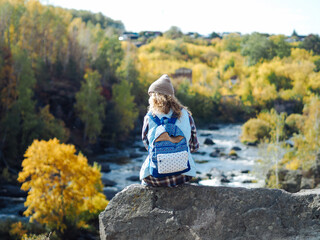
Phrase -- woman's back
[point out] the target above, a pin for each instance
(164, 109)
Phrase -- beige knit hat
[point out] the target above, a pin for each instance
(162, 85)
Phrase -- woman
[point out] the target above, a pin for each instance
(162, 103)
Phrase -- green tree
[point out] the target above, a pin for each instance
(311, 42)
(294, 34)
(34, 125)
(280, 82)
(280, 47)
(98, 18)
(232, 42)
(129, 72)
(247, 95)
(8, 81)
(317, 65)
(173, 33)
(25, 87)
(50, 127)
(256, 46)
(20, 121)
(110, 56)
(90, 105)
(124, 107)
(214, 35)
(204, 108)
(22, 124)
(10, 129)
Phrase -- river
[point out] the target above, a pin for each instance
(219, 169)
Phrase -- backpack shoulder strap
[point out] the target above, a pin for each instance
(159, 122)
(155, 119)
(173, 118)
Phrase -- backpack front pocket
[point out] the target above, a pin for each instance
(172, 162)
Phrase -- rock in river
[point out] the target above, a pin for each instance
(235, 148)
(208, 141)
(107, 182)
(105, 167)
(215, 153)
(12, 191)
(213, 127)
(133, 178)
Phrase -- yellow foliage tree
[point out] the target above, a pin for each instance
(64, 190)
(44, 30)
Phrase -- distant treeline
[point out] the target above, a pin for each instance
(98, 18)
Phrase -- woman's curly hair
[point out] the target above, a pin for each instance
(160, 103)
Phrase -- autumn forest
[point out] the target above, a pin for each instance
(66, 79)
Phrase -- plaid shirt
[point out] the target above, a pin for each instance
(169, 181)
(193, 142)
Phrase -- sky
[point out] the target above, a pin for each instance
(205, 16)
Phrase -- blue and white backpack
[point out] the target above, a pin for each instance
(168, 153)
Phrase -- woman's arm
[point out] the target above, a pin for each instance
(193, 142)
(145, 130)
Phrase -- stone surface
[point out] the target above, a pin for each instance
(133, 178)
(107, 182)
(105, 167)
(236, 148)
(201, 212)
(215, 153)
(208, 141)
(254, 144)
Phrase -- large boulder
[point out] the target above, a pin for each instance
(202, 212)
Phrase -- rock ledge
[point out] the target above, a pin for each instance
(201, 212)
